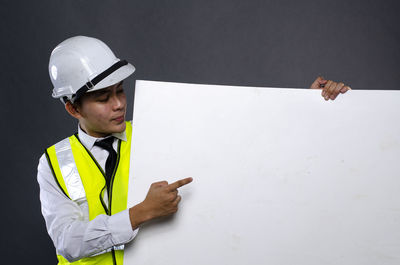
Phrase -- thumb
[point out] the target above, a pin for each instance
(319, 81)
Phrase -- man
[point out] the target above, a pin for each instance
(83, 179)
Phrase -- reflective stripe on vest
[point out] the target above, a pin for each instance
(79, 175)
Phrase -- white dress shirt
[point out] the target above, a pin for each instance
(67, 221)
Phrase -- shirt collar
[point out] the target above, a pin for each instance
(88, 141)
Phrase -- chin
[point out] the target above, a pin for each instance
(120, 128)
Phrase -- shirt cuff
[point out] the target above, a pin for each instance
(121, 229)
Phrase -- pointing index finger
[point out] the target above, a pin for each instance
(179, 183)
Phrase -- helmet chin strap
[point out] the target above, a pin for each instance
(89, 85)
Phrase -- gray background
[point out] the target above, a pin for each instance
(252, 43)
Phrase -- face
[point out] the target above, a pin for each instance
(102, 112)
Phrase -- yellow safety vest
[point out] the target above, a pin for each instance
(78, 174)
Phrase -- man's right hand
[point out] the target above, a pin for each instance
(162, 199)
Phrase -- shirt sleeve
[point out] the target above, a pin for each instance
(68, 225)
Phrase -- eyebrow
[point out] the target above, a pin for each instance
(100, 92)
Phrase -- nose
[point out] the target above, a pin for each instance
(117, 102)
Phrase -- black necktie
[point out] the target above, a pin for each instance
(111, 159)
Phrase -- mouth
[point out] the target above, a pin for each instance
(119, 119)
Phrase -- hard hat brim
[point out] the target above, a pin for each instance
(115, 77)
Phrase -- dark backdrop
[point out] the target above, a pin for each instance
(284, 43)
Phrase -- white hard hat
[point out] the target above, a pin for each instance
(83, 64)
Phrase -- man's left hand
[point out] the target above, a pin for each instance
(330, 89)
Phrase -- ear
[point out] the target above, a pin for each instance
(72, 110)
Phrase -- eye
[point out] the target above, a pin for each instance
(103, 99)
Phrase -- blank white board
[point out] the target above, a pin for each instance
(280, 175)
